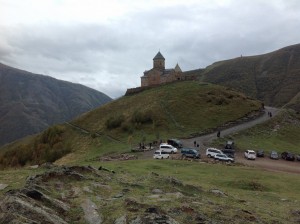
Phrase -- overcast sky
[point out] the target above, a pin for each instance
(107, 45)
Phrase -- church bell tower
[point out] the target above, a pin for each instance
(159, 61)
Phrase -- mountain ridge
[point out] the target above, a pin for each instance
(273, 78)
(31, 102)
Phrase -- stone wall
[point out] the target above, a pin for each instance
(136, 90)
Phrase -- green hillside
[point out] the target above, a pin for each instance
(279, 134)
(177, 109)
(174, 110)
(294, 103)
(273, 78)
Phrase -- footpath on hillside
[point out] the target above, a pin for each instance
(204, 140)
(263, 163)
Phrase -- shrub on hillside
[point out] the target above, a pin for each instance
(127, 128)
(114, 122)
(47, 148)
(52, 135)
(142, 117)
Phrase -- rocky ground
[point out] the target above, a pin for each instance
(83, 194)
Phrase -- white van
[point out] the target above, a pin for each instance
(158, 154)
(250, 154)
(211, 152)
(167, 148)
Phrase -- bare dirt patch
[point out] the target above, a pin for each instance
(117, 157)
(270, 164)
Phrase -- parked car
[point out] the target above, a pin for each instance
(167, 148)
(211, 152)
(175, 142)
(260, 153)
(223, 157)
(229, 145)
(190, 152)
(288, 156)
(274, 155)
(298, 157)
(158, 154)
(250, 154)
(229, 152)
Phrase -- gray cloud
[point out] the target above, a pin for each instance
(111, 57)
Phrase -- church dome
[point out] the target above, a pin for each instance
(158, 56)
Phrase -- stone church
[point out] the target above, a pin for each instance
(159, 74)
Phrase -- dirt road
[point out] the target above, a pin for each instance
(204, 140)
(264, 163)
(270, 164)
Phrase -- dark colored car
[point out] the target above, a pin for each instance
(229, 152)
(190, 152)
(274, 155)
(260, 153)
(229, 145)
(288, 156)
(175, 142)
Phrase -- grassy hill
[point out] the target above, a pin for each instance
(273, 78)
(279, 134)
(174, 110)
(294, 103)
(177, 109)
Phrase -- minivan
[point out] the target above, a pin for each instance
(158, 154)
(167, 148)
(211, 152)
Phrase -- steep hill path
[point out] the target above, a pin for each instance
(204, 140)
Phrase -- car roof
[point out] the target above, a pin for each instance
(166, 144)
(250, 151)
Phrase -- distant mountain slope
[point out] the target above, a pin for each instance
(273, 78)
(30, 103)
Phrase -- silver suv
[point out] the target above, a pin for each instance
(167, 148)
(211, 152)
